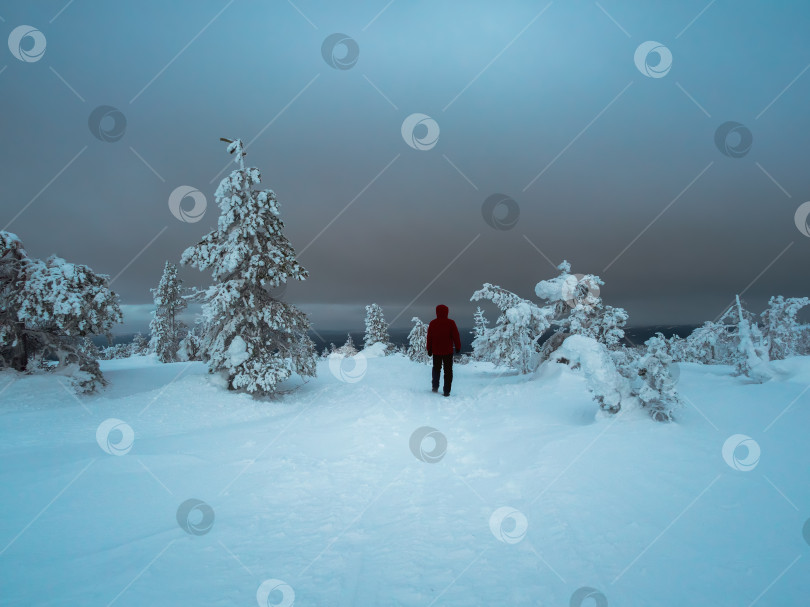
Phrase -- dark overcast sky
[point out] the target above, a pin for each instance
(540, 102)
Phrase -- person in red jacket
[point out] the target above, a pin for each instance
(442, 337)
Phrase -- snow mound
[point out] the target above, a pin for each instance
(374, 350)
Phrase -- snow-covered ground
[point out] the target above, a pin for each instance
(322, 491)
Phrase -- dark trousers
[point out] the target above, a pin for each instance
(446, 361)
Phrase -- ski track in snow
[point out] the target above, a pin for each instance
(319, 489)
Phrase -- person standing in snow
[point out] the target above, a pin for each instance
(442, 338)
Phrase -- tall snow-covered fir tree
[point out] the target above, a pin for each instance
(48, 307)
(376, 327)
(166, 328)
(256, 340)
(417, 341)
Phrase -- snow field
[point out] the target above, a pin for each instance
(319, 489)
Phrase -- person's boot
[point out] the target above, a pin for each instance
(434, 389)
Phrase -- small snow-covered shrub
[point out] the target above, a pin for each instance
(417, 341)
(376, 328)
(656, 388)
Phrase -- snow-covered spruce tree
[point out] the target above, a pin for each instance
(479, 328)
(90, 349)
(139, 345)
(655, 386)
(782, 330)
(376, 328)
(48, 307)
(166, 328)
(677, 348)
(417, 341)
(512, 341)
(116, 351)
(255, 339)
(579, 310)
(708, 344)
(14, 350)
(752, 353)
(190, 347)
(348, 348)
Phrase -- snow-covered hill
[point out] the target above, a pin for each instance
(536, 495)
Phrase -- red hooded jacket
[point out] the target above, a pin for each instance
(442, 333)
